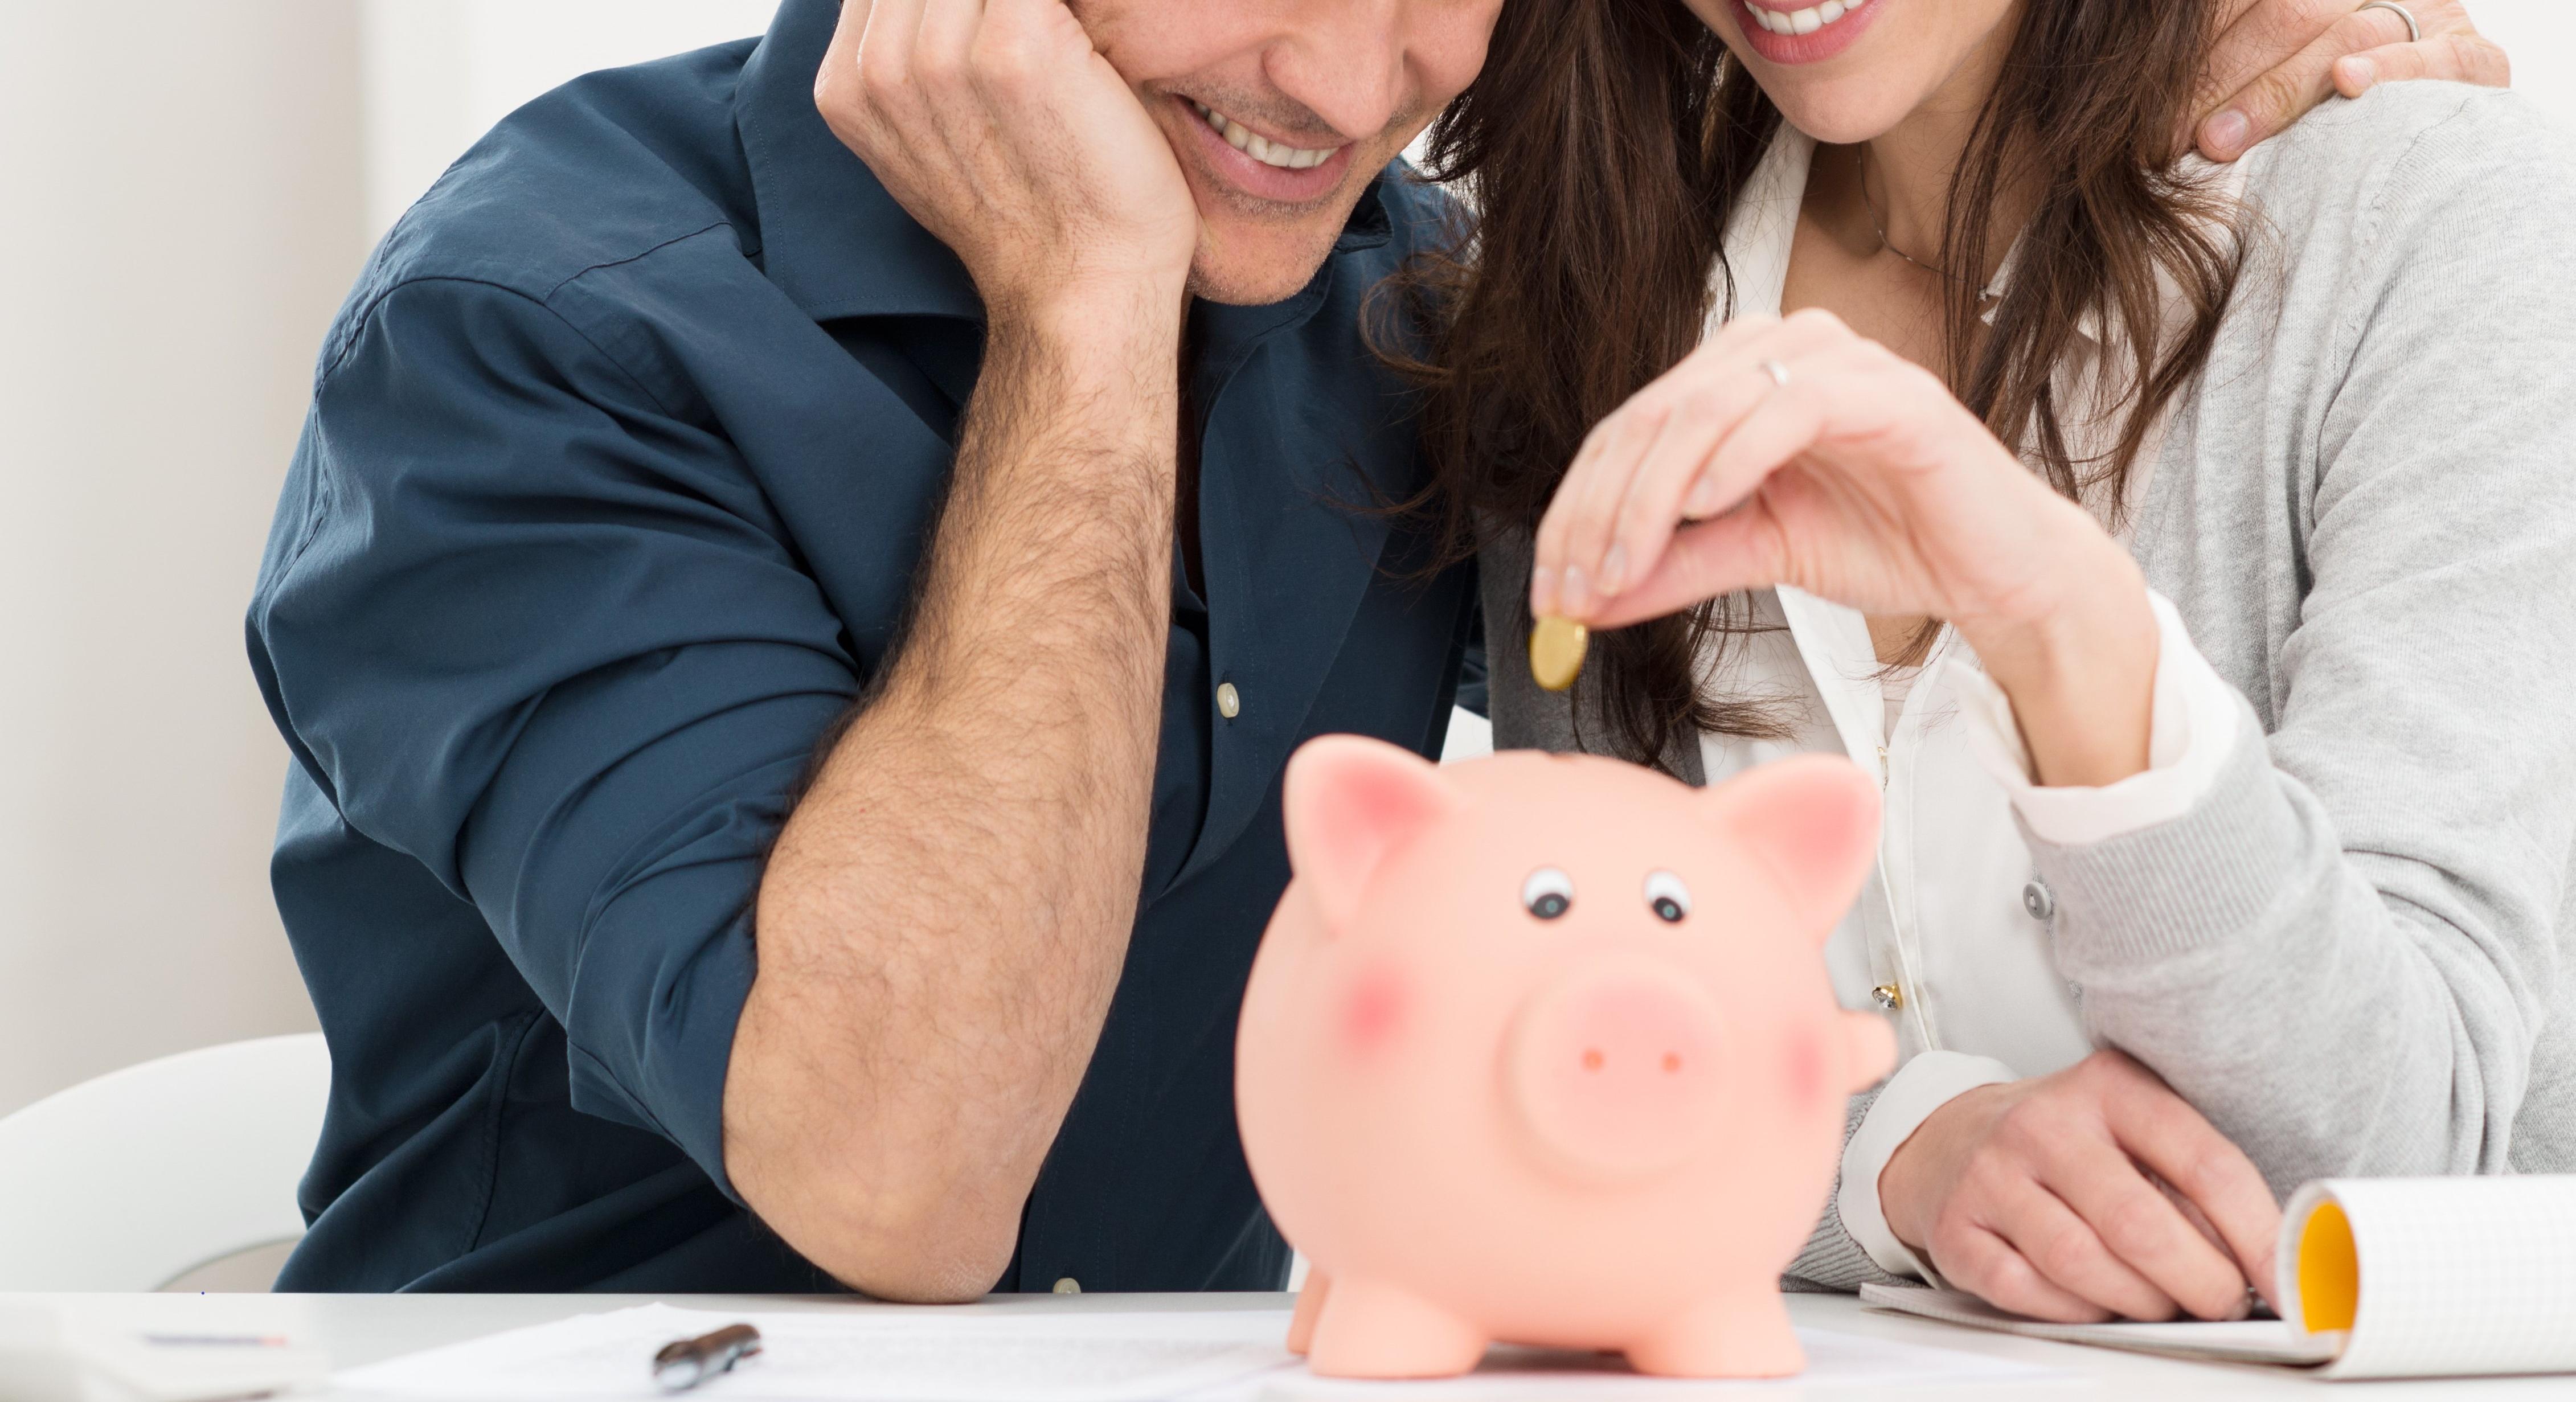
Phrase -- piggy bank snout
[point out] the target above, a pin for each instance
(1616, 1070)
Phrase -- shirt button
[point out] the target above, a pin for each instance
(1067, 1285)
(1888, 996)
(1229, 702)
(2037, 899)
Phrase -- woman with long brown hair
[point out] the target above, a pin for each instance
(2190, 551)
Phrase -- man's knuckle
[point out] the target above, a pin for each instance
(2369, 29)
(1007, 60)
(940, 69)
(2304, 18)
(2481, 60)
(832, 86)
(881, 79)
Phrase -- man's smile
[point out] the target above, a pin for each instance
(1265, 168)
(1259, 147)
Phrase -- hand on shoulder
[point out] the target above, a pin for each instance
(2277, 59)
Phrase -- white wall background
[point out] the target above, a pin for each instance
(2541, 36)
(179, 215)
(439, 73)
(186, 191)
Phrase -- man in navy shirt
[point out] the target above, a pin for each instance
(789, 612)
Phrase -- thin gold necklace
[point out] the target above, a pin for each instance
(1880, 229)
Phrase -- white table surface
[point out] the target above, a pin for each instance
(356, 1329)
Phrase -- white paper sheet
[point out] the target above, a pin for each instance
(942, 1356)
(919, 1355)
(2241, 1341)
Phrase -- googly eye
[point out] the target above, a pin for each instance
(1548, 893)
(1667, 896)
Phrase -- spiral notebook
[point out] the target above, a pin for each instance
(2380, 1278)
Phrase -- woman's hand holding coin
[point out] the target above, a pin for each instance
(1798, 452)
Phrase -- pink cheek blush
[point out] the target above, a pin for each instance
(1373, 1009)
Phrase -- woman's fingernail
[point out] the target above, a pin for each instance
(1542, 591)
(1574, 596)
(2360, 72)
(1702, 502)
(2224, 133)
(1614, 570)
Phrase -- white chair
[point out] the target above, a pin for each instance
(130, 1181)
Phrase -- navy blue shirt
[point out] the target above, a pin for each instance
(622, 459)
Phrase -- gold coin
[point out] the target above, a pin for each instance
(1556, 652)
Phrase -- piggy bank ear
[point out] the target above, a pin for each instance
(1813, 820)
(1348, 801)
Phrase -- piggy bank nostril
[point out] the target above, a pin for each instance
(1615, 1066)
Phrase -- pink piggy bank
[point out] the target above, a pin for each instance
(1541, 1049)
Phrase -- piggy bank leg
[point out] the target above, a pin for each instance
(1370, 1330)
(1743, 1335)
(1310, 1303)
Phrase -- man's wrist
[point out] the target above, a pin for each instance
(1099, 321)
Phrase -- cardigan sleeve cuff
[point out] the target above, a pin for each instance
(1919, 1087)
(2193, 729)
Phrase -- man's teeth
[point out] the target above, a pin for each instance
(1801, 21)
(1261, 148)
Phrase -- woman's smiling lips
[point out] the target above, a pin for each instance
(1261, 167)
(1783, 31)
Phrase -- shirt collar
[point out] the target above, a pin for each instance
(831, 237)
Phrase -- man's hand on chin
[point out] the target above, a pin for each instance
(2276, 59)
(998, 126)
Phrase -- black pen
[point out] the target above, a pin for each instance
(689, 1362)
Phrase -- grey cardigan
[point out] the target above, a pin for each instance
(2357, 954)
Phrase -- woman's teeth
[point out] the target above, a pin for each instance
(1801, 21)
(1261, 148)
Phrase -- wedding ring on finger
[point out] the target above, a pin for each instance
(2414, 31)
(1778, 372)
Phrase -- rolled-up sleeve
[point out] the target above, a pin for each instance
(544, 635)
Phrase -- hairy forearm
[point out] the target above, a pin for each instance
(942, 923)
